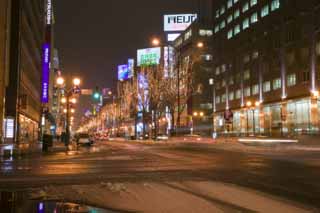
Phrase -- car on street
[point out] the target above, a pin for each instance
(84, 139)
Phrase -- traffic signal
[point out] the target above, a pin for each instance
(96, 94)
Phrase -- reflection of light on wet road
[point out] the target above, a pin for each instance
(64, 168)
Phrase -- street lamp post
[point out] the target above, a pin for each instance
(68, 100)
(211, 82)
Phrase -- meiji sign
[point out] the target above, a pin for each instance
(178, 22)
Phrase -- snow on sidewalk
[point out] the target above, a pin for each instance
(169, 197)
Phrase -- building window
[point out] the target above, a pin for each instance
(202, 32)
(254, 18)
(245, 7)
(238, 78)
(222, 24)
(231, 81)
(275, 4)
(246, 75)
(218, 99)
(229, 4)
(245, 23)
(222, 10)
(306, 76)
(253, 2)
(276, 84)
(255, 89)
(238, 94)
(236, 29)
(223, 83)
(246, 58)
(229, 19)
(188, 35)
(217, 13)
(265, 11)
(216, 29)
(318, 48)
(236, 14)
(231, 96)
(223, 98)
(235, 1)
(230, 34)
(247, 92)
(255, 55)
(223, 68)
(291, 80)
(266, 86)
(217, 70)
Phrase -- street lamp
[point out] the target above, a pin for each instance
(211, 83)
(200, 44)
(195, 114)
(67, 99)
(155, 42)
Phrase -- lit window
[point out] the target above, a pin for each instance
(238, 94)
(246, 75)
(255, 54)
(245, 24)
(236, 29)
(217, 70)
(209, 32)
(231, 81)
(245, 7)
(255, 89)
(229, 19)
(253, 2)
(202, 32)
(217, 14)
(222, 24)
(223, 83)
(235, 1)
(218, 99)
(230, 34)
(222, 10)
(223, 98)
(229, 4)
(188, 35)
(246, 58)
(276, 84)
(231, 96)
(223, 68)
(254, 18)
(266, 86)
(236, 14)
(247, 92)
(275, 4)
(216, 29)
(265, 11)
(291, 80)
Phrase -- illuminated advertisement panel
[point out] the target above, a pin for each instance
(45, 74)
(123, 72)
(130, 67)
(149, 56)
(178, 22)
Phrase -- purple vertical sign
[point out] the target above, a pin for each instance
(45, 73)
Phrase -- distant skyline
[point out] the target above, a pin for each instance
(93, 38)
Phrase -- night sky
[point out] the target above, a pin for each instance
(94, 36)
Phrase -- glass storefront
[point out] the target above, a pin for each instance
(286, 118)
(28, 130)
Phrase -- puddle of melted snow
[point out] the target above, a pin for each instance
(18, 202)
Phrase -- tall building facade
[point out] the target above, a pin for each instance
(23, 91)
(4, 55)
(266, 66)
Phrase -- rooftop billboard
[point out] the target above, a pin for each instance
(149, 56)
(178, 22)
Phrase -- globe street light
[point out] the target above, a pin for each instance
(60, 81)
(200, 44)
(76, 81)
(155, 42)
